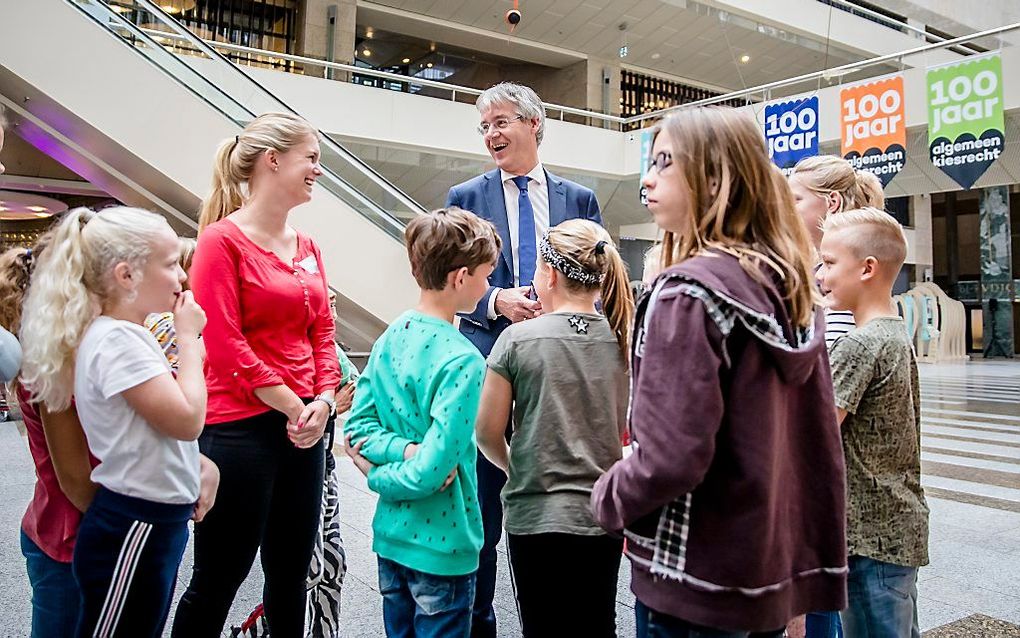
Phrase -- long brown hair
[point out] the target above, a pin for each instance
(590, 247)
(16, 268)
(237, 156)
(739, 202)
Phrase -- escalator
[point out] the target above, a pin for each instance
(97, 89)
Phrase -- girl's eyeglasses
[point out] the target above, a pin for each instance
(660, 162)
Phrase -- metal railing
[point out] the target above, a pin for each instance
(326, 65)
(762, 92)
(238, 97)
(765, 90)
(889, 22)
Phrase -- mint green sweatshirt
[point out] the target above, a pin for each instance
(422, 384)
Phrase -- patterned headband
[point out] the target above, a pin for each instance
(566, 266)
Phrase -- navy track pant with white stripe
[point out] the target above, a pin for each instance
(125, 561)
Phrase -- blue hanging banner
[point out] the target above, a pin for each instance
(791, 129)
(647, 139)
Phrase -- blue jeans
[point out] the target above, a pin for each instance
(654, 624)
(823, 624)
(55, 595)
(882, 600)
(416, 604)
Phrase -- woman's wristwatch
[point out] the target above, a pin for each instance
(328, 400)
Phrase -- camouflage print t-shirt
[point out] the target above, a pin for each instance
(875, 375)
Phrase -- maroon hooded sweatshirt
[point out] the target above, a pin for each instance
(733, 502)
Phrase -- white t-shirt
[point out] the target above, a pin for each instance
(135, 459)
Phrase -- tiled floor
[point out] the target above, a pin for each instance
(970, 454)
(971, 458)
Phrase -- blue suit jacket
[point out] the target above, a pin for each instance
(483, 196)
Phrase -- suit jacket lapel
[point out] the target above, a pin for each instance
(496, 203)
(557, 200)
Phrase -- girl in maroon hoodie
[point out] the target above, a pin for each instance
(733, 501)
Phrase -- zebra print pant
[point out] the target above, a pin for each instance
(329, 565)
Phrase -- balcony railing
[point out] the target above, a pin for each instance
(764, 92)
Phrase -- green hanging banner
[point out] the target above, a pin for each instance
(965, 117)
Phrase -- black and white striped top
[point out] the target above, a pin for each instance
(837, 324)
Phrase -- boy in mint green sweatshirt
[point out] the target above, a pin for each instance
(411, 432)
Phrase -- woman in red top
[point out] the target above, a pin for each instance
(62, 466)
(271, 372)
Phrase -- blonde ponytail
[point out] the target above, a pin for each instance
(617, 301)
(824, 174)
(237, 157)
(585, 250)
(870, 189)
(69, 284)
(226, 195)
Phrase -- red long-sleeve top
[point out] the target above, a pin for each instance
(269, 322)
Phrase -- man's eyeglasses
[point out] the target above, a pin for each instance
(499, 124)
(660, 162)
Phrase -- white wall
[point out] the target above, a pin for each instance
(446, 127)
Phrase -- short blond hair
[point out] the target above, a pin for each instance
(872, 233)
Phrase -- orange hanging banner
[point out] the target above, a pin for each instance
(873, 127)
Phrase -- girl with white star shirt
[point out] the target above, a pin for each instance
(564, 374)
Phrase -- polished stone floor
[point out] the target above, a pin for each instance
(971, 463)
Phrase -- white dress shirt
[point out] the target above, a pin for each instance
(538, 193)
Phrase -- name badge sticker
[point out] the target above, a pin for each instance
(309, 265)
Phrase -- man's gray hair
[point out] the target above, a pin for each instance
(522, 98)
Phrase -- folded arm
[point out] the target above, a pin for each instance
(676, 411)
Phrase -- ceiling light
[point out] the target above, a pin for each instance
(429, 65)
(406, 60)
(369, 33)
(42, 215)
(744, 59)
(37, 209)
(367, 53)
(169, 8)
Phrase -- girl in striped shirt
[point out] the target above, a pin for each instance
(825, 185)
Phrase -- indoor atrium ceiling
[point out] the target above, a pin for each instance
(682, 38)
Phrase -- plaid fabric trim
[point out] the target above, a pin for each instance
(726, 311)
(670, 556)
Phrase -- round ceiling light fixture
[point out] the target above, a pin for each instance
(16, 205)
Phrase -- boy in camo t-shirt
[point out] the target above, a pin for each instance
(874, 371)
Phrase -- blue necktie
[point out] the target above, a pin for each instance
(527, 252)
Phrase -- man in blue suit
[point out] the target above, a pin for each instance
(523, 200)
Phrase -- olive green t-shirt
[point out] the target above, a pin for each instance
(570, 388)
(874, 372)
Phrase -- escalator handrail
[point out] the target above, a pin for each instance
(212, 53)
(380, 217)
